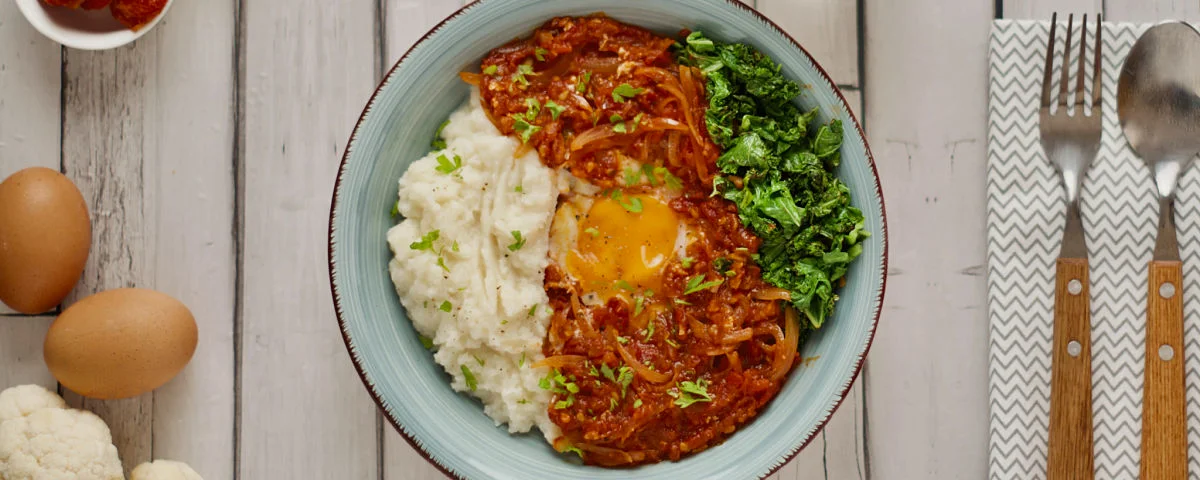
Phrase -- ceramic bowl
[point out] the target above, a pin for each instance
(83, 29)
(450, 429)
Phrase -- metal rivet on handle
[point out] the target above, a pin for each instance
(1166, 353)
(1166, 290)
(1074, 287)
(1073, 348)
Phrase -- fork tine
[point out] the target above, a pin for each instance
(1098, 75)
(1066, 63)
(1049, 62)
(1080, 93)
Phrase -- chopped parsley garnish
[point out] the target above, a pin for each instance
(593, 371)
(519, 189)
(540, 54)
(624, 378)
(592, 231)
(438, 142)
(522, 401)
(469, 377)
(697, 283)
(623, 340)
(687, 262)
(691, 392)
(584, 79)
(557, 383)
(673, 182)
(634, 206)
(637, 403)
(637, 305)
(574, 450)
(681, 301)
(632, 176)
(454, 247)
(442, 263)
(446, 166)
(533, 310)
(532, 108)
(637, 120)
(618, 123)
(520, 241)
(672, 342)
(425, 342)
(524, 128)
(650, 329)
(623, 285)
(490, 70)
(724, 266)
(426, 242)
(624, 91)
(396, 208)
(478, 360)
(555, 109)
(523, 70)
(446, 306)
(522, 362)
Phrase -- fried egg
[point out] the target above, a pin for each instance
(615, 241)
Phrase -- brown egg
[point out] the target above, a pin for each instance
(120, 343)
(45, 234)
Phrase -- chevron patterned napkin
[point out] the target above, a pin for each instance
(1026, 214)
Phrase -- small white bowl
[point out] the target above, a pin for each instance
(83, 29)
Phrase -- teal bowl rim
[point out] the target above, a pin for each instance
(337, 300)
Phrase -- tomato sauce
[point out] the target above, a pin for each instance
(644, 376)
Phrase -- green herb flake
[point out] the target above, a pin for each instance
(584, 79)
(426, 342)
(637, 120)
(426, 242)
(441, 262)
(637, 403)
(454, 247)
(519, 189)
(574, 450)
(686, 262)
(524, 129)
(592, 231)
(612, 404)
(608, 373)
(637, 307)
(540, 54)
(478, 360)
(624, 91)
(533, 310)
(438, 142)
(634, 206)
(623, 340)
(632, 176)
(446, 166)
(618, 123)
(623, 285)
(697, 283)
(624, 378)
(522, 362)
(522, 401)
(446, 306)
(490, 70)
(519, 241)
(672, 343)
(469, 377)
(680, 301)
(532, 108)
(396, 208)
(523, 70)
(555, 109)
(690, 393)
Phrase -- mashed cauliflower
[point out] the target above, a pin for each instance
(470, 257)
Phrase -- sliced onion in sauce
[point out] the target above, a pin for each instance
(637, 366)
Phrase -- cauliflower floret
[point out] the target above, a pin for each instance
(58, 444)
(23, 400)
(164, 470)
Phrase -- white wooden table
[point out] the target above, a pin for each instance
(207, 152)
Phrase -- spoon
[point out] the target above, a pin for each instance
(1158, 103)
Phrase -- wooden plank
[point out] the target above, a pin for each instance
(106, 105)
(827, 29)
(190, 170)
(29, 99)
(926, 380)
(309, 69)
(1041, 9)
(21, 352)
(1151, 10)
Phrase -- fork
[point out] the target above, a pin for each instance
(1071, 141)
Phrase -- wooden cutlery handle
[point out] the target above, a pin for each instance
(1070, 456)
(1164, 421)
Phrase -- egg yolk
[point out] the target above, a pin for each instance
(620, 242)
